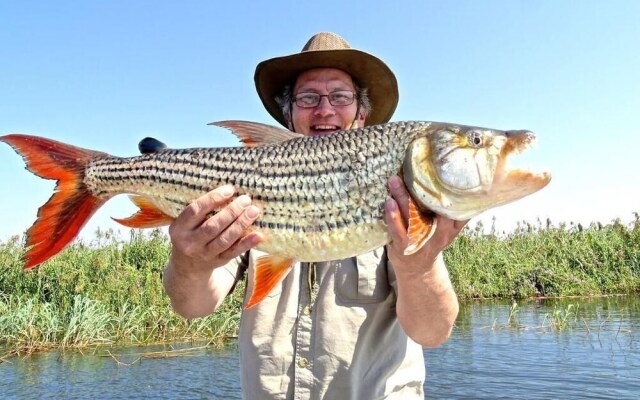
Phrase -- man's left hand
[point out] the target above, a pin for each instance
(396, 217)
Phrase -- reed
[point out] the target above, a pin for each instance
(106, 292)
(109, 291)
(546, 260)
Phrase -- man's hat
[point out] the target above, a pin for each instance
(328, 50)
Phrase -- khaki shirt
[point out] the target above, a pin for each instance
(329, 331)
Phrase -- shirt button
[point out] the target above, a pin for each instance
(303, 362)
(306, 310)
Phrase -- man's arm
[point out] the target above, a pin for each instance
(201, 244)
(427, 305)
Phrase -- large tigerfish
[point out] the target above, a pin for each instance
(322, 197)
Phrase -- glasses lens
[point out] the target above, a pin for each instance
(341, 98)
(307, 99)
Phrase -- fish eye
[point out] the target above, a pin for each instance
(475, 138)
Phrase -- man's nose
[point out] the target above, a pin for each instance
(324, 108)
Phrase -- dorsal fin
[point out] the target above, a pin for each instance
(150, 145)
(254, 134)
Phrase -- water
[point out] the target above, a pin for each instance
(596, 356)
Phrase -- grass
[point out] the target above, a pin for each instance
(106, 293)
(561, 319)
(544, 260)
(109, 292)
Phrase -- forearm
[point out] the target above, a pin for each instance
(427, 305)
(196, 294)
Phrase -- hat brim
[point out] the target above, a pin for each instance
(370, 72)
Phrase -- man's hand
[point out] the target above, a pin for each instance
(201, 242)
(427, 305)
(396, 217)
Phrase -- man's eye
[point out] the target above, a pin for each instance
(341, 98)
(308, 98)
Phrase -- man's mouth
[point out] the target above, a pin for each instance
(325, 129)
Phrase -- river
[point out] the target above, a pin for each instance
(552, 349)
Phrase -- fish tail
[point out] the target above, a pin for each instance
(72, 203)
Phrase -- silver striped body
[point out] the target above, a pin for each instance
(322, 197)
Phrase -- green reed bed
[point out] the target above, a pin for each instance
(109, 292)
(106, 293)
(547, 260)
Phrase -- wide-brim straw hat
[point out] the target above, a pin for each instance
(329, 50)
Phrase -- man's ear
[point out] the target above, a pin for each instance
(362, 117)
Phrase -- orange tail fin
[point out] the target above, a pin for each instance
(61, 217)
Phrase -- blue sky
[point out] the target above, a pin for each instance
(103, 75)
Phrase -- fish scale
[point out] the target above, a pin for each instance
(314, 192)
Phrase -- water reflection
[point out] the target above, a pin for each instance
(495, 352)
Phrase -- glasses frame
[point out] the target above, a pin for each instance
(296, 98)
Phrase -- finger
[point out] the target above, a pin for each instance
(243, 245)
(198, 210)
(213, 225)
(234, 231)
(452, 225)
(395, 224)
(460, 224)
(399, 192)
(448, 229)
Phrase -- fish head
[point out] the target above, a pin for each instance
(461, 171)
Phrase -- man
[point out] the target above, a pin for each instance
(343, 329)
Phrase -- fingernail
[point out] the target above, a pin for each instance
(244, 200)
(252, 211)
(226, 190)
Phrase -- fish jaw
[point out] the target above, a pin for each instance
(460, 172)
(511, 184)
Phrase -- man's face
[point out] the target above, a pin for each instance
(324, 118)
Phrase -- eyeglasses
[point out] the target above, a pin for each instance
(338, 98)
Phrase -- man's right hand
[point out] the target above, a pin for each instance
(202, 242)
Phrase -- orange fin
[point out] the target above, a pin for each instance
(149, 215)
(254, 134)
(72, 204)
(270, 270)
(421, 228)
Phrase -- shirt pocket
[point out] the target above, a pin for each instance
(362, 279)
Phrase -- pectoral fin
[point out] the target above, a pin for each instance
(421, 228)
(149, 216)
(270, 271)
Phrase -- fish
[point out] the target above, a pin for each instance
(322, 197)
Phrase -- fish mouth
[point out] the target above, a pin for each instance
(512, 183)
